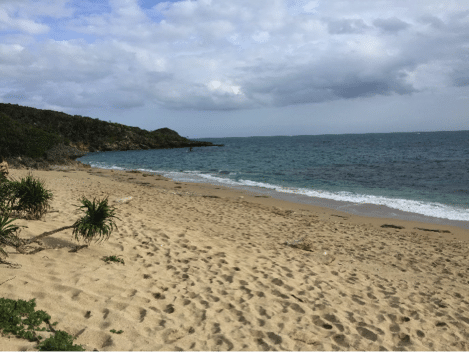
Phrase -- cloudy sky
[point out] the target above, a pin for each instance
(225, 68)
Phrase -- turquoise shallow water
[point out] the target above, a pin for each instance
(424, 173)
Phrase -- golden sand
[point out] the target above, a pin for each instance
(208, 270)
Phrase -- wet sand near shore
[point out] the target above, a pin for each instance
(214, 268)
(376, 214)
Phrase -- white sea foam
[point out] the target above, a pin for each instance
(436, 210)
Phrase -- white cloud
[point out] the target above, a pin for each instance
(224, 88)
(8, 22)
(226, 55)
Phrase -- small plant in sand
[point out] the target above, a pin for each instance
(116, 332)
(113, 258)
(28, 196)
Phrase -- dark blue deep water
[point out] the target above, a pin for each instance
(425, 173)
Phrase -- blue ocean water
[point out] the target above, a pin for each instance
(425, 173)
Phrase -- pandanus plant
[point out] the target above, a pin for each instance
(29, 196)
(97, 223)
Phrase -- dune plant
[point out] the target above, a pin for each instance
(20, 318)
(30, 196)
(27, 196)
(7, 195)
(113, 258)
(97, 223)
(8, 233)
(116, 332)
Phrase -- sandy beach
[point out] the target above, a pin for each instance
(212, 268)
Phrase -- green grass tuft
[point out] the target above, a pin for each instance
(116, 332)
(113, 258)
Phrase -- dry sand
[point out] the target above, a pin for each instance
(208, 270)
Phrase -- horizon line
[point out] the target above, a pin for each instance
(336, 134)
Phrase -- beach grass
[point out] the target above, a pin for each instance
(113, 258)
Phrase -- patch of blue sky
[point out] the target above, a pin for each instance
(90, 7)
(148, 6)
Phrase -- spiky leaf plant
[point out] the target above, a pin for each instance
(31, 196)
(7, 195)
(98, 221)
(8, 236)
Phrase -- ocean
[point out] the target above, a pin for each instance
(418, 173)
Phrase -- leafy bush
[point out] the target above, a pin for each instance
(12, 320)
(30, 196)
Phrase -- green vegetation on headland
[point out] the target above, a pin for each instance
(55, 137)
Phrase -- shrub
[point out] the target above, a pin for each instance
(8, 235)
(30, 197)
(7, 195)
(98, 220)
(12, 320)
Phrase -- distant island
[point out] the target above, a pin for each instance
(38, 138)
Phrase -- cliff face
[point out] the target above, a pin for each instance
(52, 136)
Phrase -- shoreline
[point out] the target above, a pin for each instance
(361, 209)
(213, 268)
(368, 213)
